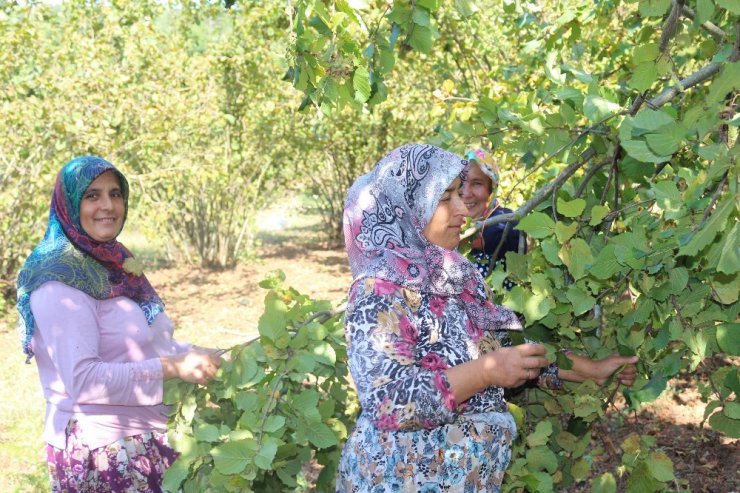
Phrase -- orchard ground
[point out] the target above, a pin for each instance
(222, 308)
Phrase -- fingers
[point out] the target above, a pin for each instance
(530, 349)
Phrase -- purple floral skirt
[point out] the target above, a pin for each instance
(131, 464)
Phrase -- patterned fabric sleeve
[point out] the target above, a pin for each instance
(548, 377)
(395, 391)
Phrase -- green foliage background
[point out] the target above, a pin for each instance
(616, 123)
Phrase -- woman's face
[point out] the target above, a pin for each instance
(444, 227)
(476, 190)
(102, 208)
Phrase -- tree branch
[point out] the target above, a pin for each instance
(669, 27)
(697, 77)
(717, 33)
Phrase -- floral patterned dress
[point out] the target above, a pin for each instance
(411, 435)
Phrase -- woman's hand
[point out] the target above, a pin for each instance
(513, 366)
(196, 366)
(600, 370)
(605, 368)
(504, 367)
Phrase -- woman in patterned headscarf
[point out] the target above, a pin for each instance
(428, 351)
(480, 194)
(101, 340)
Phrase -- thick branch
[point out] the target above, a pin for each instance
(701, 75)
(669, 27)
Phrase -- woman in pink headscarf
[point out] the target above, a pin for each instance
(428, 351)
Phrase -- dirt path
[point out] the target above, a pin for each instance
(226, 306)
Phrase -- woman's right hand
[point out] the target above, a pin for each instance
(513, 366)
(195, 366)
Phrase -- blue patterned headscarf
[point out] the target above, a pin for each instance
(69, 255)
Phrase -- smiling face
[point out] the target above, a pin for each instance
(102, 208)
(476, 191)
(449, 216)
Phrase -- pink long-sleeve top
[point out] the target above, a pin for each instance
(98, 361)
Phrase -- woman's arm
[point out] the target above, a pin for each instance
(69, 334)
(198, 365)
(505, 367)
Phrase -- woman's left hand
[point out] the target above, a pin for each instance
(602, 369)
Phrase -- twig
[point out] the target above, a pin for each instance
(715, 197)
(492, 261)
(587, 177)
(565, 146)
(717, 33)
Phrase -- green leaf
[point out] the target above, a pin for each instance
(432, 5)
(466, 8)
(666, 141)
(572, 208)
(667, 195)
(598, 213)
(324, 353)
(639, 150)
(537, 225)
(649, 120)
(660, 466)
(717, 222)
(266, 453)
(540, 435)
(644, 76)
(728, 338)
(539, 458)
(731, 5)
(651, 391)
(532, 306)
(361, 84)
(732, 410)
(726, 82)
(577, 256)
(206, 432)
(567, 441)
(704, 10)
(726, 425)
(597, 108)
(564, 232)
(233, 457)
(308, 399)
(604, 484)
(654, 8)
(518, 414)
(273, 423)
(550, 248)
(645, 52)
(176, 474)
(679, 278)
(421, 38)
(580, 470)
(273, 280)
(581, 301)
(272, 322)
(728, 260)
(320, 435)
(641, 481)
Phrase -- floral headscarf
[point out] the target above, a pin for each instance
(69, 255)
(384, 219)
(489, 167)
